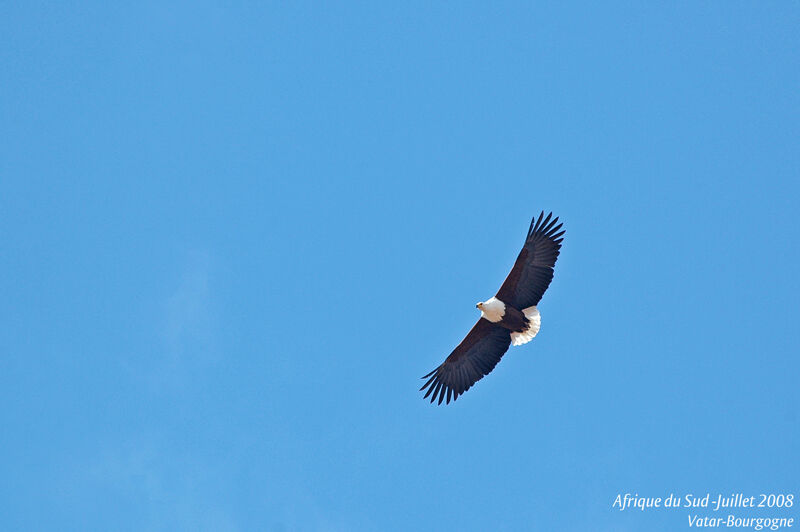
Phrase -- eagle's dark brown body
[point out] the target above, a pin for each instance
(513, 320)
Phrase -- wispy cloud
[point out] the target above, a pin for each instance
(156, 487)
(180, 339)
(187, 317)
(185, 327)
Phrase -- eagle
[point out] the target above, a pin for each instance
(508, 318)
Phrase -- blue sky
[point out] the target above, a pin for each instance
(235, 236)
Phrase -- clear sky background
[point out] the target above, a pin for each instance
(235, 235)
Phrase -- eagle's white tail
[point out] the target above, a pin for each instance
(535, 321)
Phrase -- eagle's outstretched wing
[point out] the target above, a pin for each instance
(533, 270)
(475, 356)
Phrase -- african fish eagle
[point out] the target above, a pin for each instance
(510, 317)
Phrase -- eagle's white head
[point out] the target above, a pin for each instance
(492, 309)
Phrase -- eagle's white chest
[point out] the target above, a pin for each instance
(493, 310)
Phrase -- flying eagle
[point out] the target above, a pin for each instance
(510, 317)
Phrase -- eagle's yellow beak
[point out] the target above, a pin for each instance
(479, 305)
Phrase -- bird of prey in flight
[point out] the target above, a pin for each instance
(510, 317)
